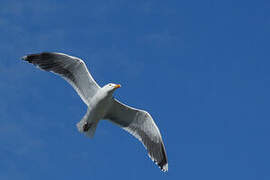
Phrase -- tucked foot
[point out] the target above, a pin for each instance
(86, 127)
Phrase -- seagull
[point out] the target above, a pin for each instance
(101, 103)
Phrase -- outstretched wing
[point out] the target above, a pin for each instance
(70, 68)
(141, 125)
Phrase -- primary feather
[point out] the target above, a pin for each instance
(70, 68)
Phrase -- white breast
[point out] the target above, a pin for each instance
(99, 106)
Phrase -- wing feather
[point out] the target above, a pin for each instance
(72, 69)
(140, 124)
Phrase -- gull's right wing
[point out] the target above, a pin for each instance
(70, 68)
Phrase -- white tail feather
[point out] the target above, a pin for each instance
(90, 132)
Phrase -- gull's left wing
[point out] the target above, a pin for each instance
(140, 124)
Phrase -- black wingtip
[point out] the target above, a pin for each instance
(24, 58)
(164, 163)
(30, 57)
(163, 166)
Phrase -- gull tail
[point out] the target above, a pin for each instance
(86, 128)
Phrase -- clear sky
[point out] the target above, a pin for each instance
(201, 68)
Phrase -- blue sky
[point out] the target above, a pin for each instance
(201, 68)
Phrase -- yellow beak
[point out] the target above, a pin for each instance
(117, 86)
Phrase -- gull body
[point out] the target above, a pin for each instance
(102, 105)
(98, 107)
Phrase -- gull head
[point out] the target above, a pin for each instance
(111, 87)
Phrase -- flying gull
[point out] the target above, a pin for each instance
(102, 105)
